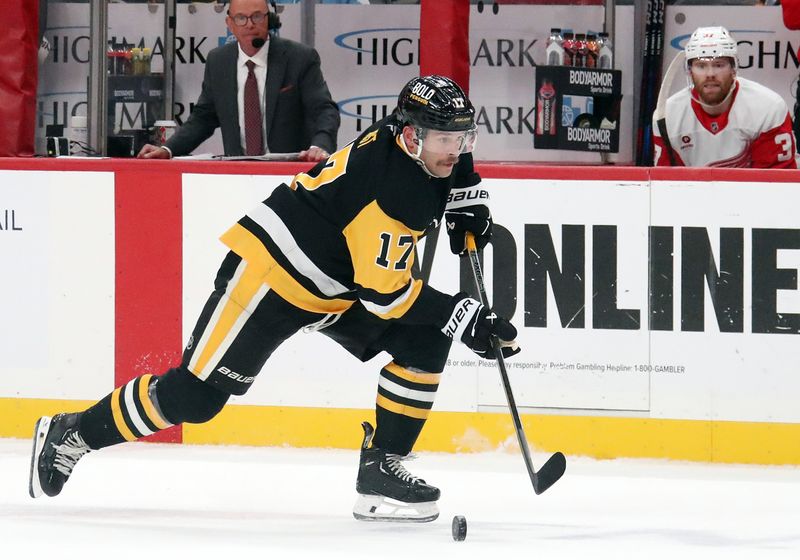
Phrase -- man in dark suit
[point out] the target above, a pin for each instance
(263, 79)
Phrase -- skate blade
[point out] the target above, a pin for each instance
(39, 436)
(389, 519)
(381, 509)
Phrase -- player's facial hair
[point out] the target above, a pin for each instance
(723, 80)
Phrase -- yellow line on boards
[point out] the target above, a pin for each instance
(18, 416)
(592, 436)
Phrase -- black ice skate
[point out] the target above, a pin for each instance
(57, 446)
(387, 491)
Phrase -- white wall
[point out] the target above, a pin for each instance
(57, 284)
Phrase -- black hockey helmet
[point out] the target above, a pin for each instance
(435, 103)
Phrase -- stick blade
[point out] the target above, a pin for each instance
(550, 472)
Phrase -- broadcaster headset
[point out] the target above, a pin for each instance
(273, 21)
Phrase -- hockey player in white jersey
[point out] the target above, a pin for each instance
(721, 119)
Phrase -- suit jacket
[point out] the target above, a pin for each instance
(299, 110)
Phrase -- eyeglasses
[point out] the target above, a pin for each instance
(241, 19)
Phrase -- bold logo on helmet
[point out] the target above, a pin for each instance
(423, 91)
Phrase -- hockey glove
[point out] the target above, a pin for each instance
(475, 325)
(467, 210)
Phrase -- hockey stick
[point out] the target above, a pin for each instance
(651, 74)
(661, 106)
(647, 84)
(555, 466)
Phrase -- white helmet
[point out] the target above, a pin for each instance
(710, 42)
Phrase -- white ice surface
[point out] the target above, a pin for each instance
(194, 502)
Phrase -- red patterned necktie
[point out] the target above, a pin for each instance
(253, 134)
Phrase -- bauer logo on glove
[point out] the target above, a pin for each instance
(467, 211)
(475, 325)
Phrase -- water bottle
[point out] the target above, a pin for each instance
(580, 50)
(569, 48)
(592, 50)
(554, 49)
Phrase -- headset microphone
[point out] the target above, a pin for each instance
(258, 42)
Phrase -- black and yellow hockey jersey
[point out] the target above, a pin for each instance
(346, 230)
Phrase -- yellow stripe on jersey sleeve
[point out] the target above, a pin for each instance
(242, 242)
(382, 252)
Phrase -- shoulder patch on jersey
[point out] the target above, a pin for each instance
(371, 137)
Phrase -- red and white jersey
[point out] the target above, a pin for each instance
(755, 131)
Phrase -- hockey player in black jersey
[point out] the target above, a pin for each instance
(331, 251)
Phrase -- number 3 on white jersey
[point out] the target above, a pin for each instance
(784, 140)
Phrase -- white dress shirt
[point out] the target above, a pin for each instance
(260, 70)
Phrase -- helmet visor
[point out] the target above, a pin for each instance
(447, 142)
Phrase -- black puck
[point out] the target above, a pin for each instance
(459, 528)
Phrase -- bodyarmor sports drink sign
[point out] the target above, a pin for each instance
(577, 109)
